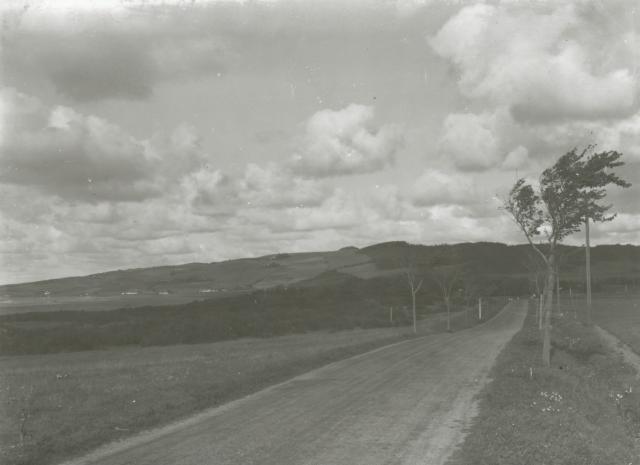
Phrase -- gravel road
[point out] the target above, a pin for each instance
(407, 403)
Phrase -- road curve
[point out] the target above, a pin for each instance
(407, 403)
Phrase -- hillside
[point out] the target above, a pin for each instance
(278, 294)
(503, 265)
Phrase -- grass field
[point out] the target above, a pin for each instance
(58, 405)
(100, 303)
(620, 315)
(72, 402)
(584, 409)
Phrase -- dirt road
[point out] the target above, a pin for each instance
(403, 404)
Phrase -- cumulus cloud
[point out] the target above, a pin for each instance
(470, 140)
(344, 142)
(210, 191)
(517, 158)
(543, 61)
(62, 152)
(272, 186)
(275, 186)
(564, 78)
(336, 212)
(436, 187)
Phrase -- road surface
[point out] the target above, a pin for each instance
(402, 404)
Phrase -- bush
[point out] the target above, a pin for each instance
(575, 338)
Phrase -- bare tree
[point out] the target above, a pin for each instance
(446, 276)
(472, 288)
(415, 284)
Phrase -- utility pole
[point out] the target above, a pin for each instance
(588, 273)
(479, 308)
(391, 315)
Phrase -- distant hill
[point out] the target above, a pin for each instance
(278, 294)
(503, 265)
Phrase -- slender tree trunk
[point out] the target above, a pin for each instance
(588, 269)
(446, 301)
(557, 288)
(548, 305)
(413, 298)
(540, 309)
(540, 300)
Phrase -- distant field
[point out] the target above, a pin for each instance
(76, 401)
(98, 303)
(620, 315)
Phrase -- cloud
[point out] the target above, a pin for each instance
(517, 158)
(93, 56)
(470, 140)
(345, 142)
(482, 141)
(435, 187)
(275, 186)
(210, 191)
(625, 229)
(407, 8)
(270, 187)
(553, 66)
(62, 152)
(336, 212)
(566, 77)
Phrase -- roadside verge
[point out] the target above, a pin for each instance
(583, 409)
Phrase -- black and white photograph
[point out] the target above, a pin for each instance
(330, 232)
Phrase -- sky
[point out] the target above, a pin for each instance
(137, 134)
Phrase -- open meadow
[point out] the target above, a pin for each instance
(620, 315)
(59, 404)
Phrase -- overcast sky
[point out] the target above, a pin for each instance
(139, 134)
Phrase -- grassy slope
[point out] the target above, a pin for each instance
(565, 414)
(505, 264)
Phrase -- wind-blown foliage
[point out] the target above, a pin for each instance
(568, 194)
(590, 175)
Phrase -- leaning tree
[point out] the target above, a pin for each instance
(568, 192)
(593, 172)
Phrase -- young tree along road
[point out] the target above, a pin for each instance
(414, 286)
(568, 194)
(594, 175)
(446, 277)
